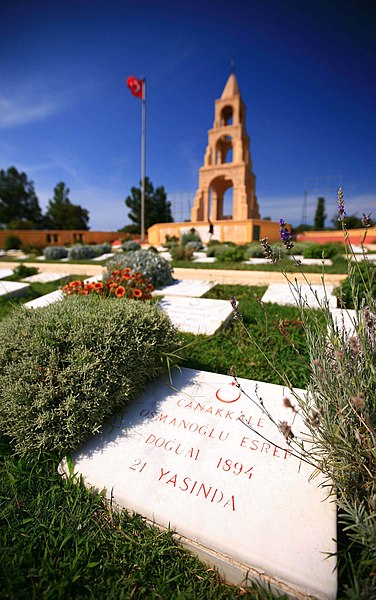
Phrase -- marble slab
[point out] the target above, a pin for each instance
(5, 273)
(197, 315)
(313, 296)
(237, 496)
(204, 259)
(257, 261)
(104, 256)
(360, 257)
(312, 261)
(344, 320)
(9, 289)
(166, 255)
(46, 277)
(187, 287)
(45, 300)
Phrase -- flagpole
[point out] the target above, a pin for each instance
(143, 159)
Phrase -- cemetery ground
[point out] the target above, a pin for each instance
(60, 541)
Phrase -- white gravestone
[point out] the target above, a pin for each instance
(45, 300)
(312, 261)
(5, 273)
(187, 287)
(344, 320)
(180, 457)
(104, 256)
(197, 315)
(13, 288)
(313, 296)
(46, 277)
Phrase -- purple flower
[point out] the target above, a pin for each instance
(341, 213)
(268, 250)
(235, 309)
(366, 221)
(285, 235)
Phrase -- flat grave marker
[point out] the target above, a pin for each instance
(312, 261)
(45, 300)
(187, 287)
(13, 288)
(344, 320)
(5, 273)
(46, 277)
(197, 315)
(181, 457)
(284, 294)
(104, 256)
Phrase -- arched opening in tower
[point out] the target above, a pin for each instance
(220, 199)
(223, 149)
(226, 116)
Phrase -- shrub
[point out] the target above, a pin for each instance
(120, 284)
(83, 252)
(322, 250)
(353, 289)
(191, 236)
(131, 246)
(171, 241)
(55, 252)
(181, 252)
(12, 242)
(255, 250)
(194, 245)
(103, 248)
(67, 367)
(23, 271)
(155, 268)
(32, 249)
(231, 254)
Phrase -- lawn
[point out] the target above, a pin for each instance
(57, 540)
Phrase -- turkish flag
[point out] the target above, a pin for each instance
(136, 86)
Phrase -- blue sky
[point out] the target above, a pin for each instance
(306, 72)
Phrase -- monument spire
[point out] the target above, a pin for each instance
(227, 163)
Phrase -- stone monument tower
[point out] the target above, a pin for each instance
(227, 163)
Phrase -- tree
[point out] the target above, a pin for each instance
(320, 215)
(19, 205)
(352, 222)
(62, 214)
(157, 208)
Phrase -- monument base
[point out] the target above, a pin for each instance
(228, 230)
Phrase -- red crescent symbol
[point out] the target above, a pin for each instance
(227, 401)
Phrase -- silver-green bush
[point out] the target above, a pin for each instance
(65, 368)
(155, 268)
(55, 252)
(82, 252)
(131, 245)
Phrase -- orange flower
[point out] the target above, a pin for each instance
(115, 273)
(120, 292)
(137, 293)
(126, 270)
(98, 286)
(89, 287)
(126, 276)
(150, 287)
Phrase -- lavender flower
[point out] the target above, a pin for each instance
(366, 221)
(285, 235)
(268, 250)
(341, 213)
(235, 309)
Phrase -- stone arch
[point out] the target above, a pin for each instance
(227, 115)
(217, 189)
(224, 150)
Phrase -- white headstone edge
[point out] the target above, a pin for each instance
(229, 570)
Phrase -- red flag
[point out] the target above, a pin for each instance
(136, 86)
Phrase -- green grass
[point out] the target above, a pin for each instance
(59, 541)
(339, 266)
(251, 355)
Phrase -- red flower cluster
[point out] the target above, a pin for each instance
(121, 284)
